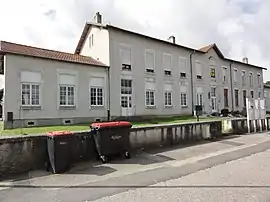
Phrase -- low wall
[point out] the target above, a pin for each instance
(24, 153)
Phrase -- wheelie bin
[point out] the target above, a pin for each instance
(58, 147)
(111, 138)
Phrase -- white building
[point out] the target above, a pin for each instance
(116, 72)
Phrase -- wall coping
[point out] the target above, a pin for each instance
(12, 138)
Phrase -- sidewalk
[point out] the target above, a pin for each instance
(90, 172)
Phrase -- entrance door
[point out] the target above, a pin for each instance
(213, 99)
(126, 97)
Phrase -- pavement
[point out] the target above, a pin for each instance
(131, 179)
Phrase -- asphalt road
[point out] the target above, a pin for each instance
(245, 179)
(198, 166)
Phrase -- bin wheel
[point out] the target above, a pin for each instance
(127, 155)
(104, 159)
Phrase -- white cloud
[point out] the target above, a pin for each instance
(239, 27)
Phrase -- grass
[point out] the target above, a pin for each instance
(80, 127)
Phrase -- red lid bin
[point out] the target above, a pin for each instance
(110, 124)
(57, 133)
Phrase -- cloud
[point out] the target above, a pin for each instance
(239, 27)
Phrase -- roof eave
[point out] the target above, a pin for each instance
(45, 58)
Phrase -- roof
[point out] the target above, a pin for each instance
(202, 50)
(18, 49)
(207, 48)
(88, 25)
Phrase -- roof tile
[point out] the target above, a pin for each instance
(8, 47)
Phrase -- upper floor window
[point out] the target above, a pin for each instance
(212, 72)
(183, 67)
(149, 61)
(224, 73)
(125, 55)
(235, 71)
(167, 64)
(243, 78)
(250, 78)
(259, 79)
(198, 70)
(91, 40)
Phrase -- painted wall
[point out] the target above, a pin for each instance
(49, 87)
(99, 50)
(139, 76)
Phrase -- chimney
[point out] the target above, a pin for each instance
(98, 18)
(245, 60)
(172, 39)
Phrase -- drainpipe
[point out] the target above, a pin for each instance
(109, 95)
(191, 73)
(231, 78)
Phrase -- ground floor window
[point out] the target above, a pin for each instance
(183, 99)
(67, 95)
(168, 98)
(199, 99)
(96, 96)
(30, 94)
(150, 98)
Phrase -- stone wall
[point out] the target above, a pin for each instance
(24, 153)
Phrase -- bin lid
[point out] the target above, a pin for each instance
(56, 133)
(110, 124)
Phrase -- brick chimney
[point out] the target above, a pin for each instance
(245, 60)
(98, 18)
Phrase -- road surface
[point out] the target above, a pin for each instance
(234, 169)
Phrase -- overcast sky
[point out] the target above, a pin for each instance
(239, 27)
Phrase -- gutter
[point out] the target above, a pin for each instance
(109, 95)
(231, 78)
(191, 80)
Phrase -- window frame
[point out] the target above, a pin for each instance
(149, 51)
(236, 101)
(124, 66)
(212, 72)
(150, 91)
(243, 77)
(226, 104)
(66, 95)
(96, 95)
(251, 79)
(186, 99)
(235, 72)
(224, 73)
(171, 61)
(199, 75)
(31, 84)
(166, 98)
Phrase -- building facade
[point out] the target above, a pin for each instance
(165, 78)
(119, 73)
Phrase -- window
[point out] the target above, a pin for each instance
(212, 72)
(213, 92)
(150, 61)
(91, 40)
(226, 100)
(150, 94)
(183, 96)
(126, 86)
(224, 72)
(125, 55)
(236, 92)
(265, 94)
(259, 93)
(30, 94)
(30, 88)
(167, 72)
(243, 78)
(244, 97)
(235, 75)
(150, 98)
(67, 95)
(168, 98)
(259, 79)
(96, 95)
(252, 94)
(96, 91)
(167, 61)
(199, 96)
(183, 99)
(198, 70)
(183, 67)
(250, 78)
(67, 90)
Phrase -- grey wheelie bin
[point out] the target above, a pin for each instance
(111, 138)
(58, 147)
